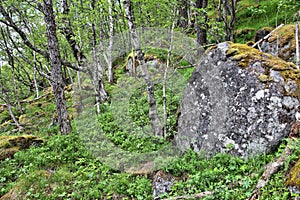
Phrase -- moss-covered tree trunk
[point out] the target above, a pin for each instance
(55, 62)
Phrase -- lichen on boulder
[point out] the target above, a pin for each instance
(9, 145)
(239, 100)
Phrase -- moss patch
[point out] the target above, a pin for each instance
(285, 37)
(246, 56)
(9, 145)
(294, 176)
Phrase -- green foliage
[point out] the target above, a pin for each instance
(65, 168)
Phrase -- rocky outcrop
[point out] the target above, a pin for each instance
(282, 43)
(238, 100)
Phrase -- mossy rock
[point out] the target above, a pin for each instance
(261, 33)
(9, 145)
(247, 56)
(281, 43)
(293, 178)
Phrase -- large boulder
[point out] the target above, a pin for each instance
(281, 43)
(238, 100)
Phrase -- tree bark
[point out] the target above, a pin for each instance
(111, 42)
(165, 80)
(97, 74)
(9, 107)
(201, 25)
(154, 119)
(183, 8)
(227, 13)
(11, 62)
(56, 64)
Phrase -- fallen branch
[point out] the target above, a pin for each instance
(199, 195)
(33, 100)
(271, 168)
(185, 67)
(267, 36)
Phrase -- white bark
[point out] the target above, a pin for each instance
(154, 119)
(111, 42)
(34, 76)
(165, 80)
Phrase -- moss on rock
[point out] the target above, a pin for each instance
(9, 145)
(284, 39)
(293, 178)
(247, 56)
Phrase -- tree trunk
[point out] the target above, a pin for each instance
(55, 63)
(227, 13)
(183, 8)
(34, 75)
(165, 80)
(154, 119)
(201, 24)
(97, 73)
(111, 42)
(9, 107)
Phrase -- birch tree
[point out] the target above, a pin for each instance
(154, 119)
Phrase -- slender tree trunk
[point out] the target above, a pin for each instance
(9, 107)
(165, 80)
(154, 119)
(34, 75)
(97, 74)
(111, 42)
(55, 63)
(183, 8)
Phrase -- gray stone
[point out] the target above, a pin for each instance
(228, 106)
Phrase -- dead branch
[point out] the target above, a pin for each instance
(199, 195)
(267, 36)
(270, 169)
